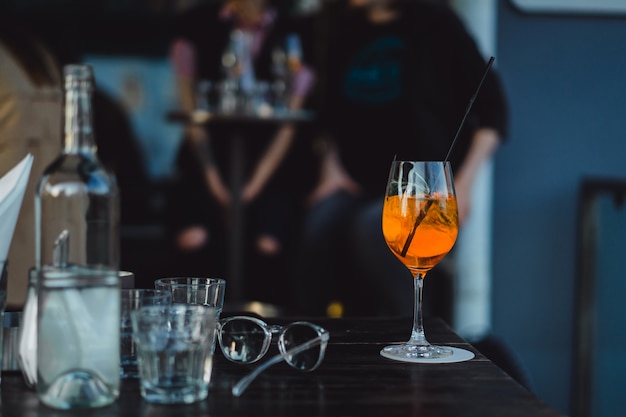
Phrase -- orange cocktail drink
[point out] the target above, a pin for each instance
(434, 234)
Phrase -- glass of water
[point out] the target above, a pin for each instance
(175, 346)
(195, 290)
(131, 300)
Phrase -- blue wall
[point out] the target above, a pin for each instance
(566, 80)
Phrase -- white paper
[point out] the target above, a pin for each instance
(12, 188)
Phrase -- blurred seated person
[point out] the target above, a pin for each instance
(207, 46)
(399, 75)
(30, 122)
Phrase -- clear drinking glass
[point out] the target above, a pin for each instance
(175, 346)
(203, 98)
(132, 300)
(192, 290)
(420, 226)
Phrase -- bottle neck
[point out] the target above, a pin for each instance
(78, 127)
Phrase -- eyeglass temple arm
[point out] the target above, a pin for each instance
(241, 386)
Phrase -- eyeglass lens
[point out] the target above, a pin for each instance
(243, 341)
(296, 335)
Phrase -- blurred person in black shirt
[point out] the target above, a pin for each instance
(396, 83)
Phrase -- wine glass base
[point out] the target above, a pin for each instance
(426, 354)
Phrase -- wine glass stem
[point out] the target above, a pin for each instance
(417, 335)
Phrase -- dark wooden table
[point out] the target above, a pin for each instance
(237, 123)
(354, 380)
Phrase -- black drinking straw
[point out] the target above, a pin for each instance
(469, 107)
(422, 214)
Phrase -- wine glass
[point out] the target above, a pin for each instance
(420, 226)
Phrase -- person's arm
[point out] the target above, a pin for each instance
(280, 145)
(462, 65)
(333, 176)
(184, 60)
(269, 162)
(484, 143)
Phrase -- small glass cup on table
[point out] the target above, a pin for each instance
(131, 300)
(175, 345)
(193, 290)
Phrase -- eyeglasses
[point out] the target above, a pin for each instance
(246, 340)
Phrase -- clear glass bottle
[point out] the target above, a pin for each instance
(76, 192)
(76, 237)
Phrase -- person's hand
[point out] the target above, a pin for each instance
(250, 192)
(192, 238)
(197, 134)
(332, 181)
(333, 176)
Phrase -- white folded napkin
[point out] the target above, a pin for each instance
(12, 188)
